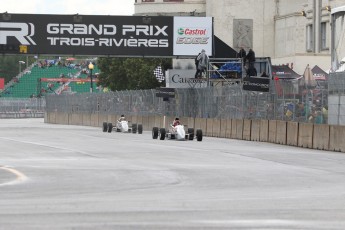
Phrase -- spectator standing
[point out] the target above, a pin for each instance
(202, 63)
(242, 54)
(250, 57)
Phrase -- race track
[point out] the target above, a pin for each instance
(75, 177)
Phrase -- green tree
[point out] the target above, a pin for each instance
(9, 65)
(130, 73)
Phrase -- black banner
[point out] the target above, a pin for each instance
(256, 84)
(86, 35)
(165, 92)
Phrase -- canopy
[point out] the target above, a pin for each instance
(284, 72)
(319, 74)
(309, 80)
(222, 50)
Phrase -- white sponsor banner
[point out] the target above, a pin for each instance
(183, 78)
(192, 34)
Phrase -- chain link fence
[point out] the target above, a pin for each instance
(10, 105)
(287, 100)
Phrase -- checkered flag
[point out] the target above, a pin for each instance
(159, 73)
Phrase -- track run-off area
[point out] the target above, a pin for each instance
(78, 177)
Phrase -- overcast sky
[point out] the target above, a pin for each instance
(96, 7)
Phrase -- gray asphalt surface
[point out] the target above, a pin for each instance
(74, 177)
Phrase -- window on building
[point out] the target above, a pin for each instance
(173, 0)
(147, 0)
(309, 38)
(323, 36)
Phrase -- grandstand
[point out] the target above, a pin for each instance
(27, 84)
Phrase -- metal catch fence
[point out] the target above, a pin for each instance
(287, 100)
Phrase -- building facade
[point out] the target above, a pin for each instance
(297, 33)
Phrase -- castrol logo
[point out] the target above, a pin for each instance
(192, 31)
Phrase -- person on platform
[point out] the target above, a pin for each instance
(250, 58)
(202, 60)
(242, 54)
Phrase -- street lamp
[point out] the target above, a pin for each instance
(91, 68)
(20, 66)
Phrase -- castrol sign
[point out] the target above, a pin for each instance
(192, 34)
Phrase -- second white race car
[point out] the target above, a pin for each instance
(123, 126)
(176, 133)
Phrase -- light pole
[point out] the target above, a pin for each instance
(20, 66)
(91, 83)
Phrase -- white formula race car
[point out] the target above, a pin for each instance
(123, 126)
(176, 133)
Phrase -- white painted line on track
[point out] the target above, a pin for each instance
(20, 177)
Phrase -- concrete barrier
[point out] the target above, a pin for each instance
(281, 132)
(233, 129)
(223, 128)
(52, 117)
(86, 119)
(272, 131)
(292, 133)
(140, 120)
(255, 134)
(200, 123)
(246, 130)
(209, 127)
(305, 135)
(264, 129)
(146, 125)
(94, 120)
(316, 136)
(336, 138)
(102, 118)
(239, 129)
(321, 137)
(158, 121)
(76, 119)
(61, 118)
(190, 122)
(216, 128)
(228, 128)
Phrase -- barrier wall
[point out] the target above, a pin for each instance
(321, 137)
(246, 130)
(223, 128)
(228, 128)
(292, 133)
(264, 130)
(305, 135)
(281, 132)
(336, 138)
(316, 136)
(255, 134)
(272, 131)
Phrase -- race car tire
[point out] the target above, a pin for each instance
(134, 128)
(105, 126)
(110, 127)
(199, 135)
(154, 132)
(191, 134)
(162, 134)
(140, 129)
